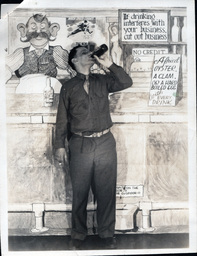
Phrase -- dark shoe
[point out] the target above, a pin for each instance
(75, 244)
(110, 243)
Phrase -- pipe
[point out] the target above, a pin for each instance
(20, 208)
(145, 206)
(65, 207)
(169, 205)
(39, 215)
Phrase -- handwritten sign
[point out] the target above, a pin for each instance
(147, 54)
(129, 191)
(143, 26)
(148, 51)
(165, 78)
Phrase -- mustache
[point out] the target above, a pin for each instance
(31, 35)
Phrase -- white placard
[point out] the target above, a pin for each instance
(149, 51)
(165, 80)
(144, 26)
(129, 191)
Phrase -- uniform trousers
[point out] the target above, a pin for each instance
(93, 164)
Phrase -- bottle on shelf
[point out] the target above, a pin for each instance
(48, 94)
(184, 30)
(184, 59)
(175, 30)
(174, 49)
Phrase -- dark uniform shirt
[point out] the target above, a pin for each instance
(88, 112)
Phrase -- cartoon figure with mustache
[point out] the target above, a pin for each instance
(39, 57)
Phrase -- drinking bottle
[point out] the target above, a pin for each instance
(100, 50)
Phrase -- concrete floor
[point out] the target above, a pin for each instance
(124, 241)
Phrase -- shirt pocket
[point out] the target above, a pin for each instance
(102, 99)
(79, 104)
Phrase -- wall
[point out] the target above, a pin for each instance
(151, 140)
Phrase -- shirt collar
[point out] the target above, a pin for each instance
(34, 49)
(82, 76)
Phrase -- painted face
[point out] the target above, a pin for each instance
(38, 32)
(83, 56)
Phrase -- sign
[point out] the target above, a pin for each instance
(165, 79)
(144, 26)
(147, 54)
(129, 191)
(148, 51)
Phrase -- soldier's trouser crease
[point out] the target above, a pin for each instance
(93, 163)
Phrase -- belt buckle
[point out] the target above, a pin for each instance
(98, 134)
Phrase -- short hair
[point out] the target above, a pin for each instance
(38, 18)
(71, 56)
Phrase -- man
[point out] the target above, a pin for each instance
(39, 57)
(92, 148)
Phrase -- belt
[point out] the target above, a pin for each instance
(95, 134)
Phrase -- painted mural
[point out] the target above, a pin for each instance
(150, 119)
(39, 57)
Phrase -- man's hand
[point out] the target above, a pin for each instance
(61, 157)
(104, 60)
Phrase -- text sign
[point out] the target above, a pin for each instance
(149, 51)
(128, 191)
(165, 78)
(143, 26)
(147, 54)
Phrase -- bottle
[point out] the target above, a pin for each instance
(174, 49)
(184, 30)
(184, 60)
(100, 50)
(48, 93)
(175, 30)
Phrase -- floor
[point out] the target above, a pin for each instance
(92, 242)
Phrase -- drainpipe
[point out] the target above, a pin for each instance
(38, 209)
(145, 207)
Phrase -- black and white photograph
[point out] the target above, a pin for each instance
(98, 127)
